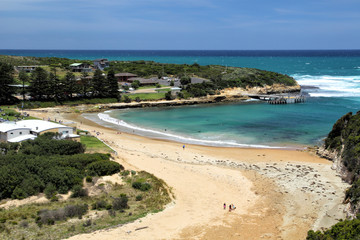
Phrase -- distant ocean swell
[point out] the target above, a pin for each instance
(162, 135)
(330, 86)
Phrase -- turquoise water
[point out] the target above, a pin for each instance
(249, 123)
(334, 74)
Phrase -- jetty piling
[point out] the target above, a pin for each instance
(279, 98)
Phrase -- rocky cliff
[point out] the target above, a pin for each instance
(342, 146)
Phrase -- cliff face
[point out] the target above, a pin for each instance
(342, 146)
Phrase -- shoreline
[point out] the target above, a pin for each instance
(105, 119)
(287, 192)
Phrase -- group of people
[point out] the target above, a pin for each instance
(231, 207)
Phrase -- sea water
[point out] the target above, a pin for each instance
(330, 78)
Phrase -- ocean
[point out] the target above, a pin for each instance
(331, 78)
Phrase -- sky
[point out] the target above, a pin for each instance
(180, 24)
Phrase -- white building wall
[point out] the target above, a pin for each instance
(16, 133)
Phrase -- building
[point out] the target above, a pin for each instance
(124, 77)
(30, 129)
(28, 69)
(143, 81)
(12, 132)
(80, 67)
(101, 63)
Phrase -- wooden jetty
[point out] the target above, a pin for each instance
(279, 98)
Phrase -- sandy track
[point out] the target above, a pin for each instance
(279, 194)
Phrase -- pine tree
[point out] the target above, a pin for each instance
(6, 78)
(98, 84)
(112, 84)
(38, 83)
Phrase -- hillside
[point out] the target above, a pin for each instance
(342, 146)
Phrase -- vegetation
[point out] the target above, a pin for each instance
(114, 205)
(6, 78)
(344, 139)
(48, 165)
(55, 84)
(93, 144)
(343, 230)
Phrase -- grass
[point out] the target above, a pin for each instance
(10, 113)
(94, 145)
(20, 222)
(75, 102)
(147, 96)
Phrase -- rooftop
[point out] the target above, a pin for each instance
(125, 75)
(9, 126)
(22, 138)
(39, 125)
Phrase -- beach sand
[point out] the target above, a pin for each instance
(278, 194)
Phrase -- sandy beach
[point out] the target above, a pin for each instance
(278, 194)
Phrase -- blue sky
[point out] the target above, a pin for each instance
(179, 24)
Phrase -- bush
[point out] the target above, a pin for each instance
(120, 203)
(103, 168)
(139, 197)
(50, 191)
(98, 205)
(125, 173)
(89, 179)
(141, 186)
(78, 191)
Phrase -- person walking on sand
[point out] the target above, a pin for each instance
(224, 206)
(184, 147)
(229, 207)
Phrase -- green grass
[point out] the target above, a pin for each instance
(10, 113)
(94, 145)
(147, 96)
(46, 104)
(163, 90)
(154, 200)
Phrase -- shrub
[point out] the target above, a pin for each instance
(141, 186)
(136, 185)
(120, 203)
(133, 172)
(139, 197)
(102, 168)
(78, 191)
(101, 204)
(125, 173)
(50, 191)
(89, 179)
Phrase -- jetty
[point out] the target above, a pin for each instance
(279, 98)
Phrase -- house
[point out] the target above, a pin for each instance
(143, 81)
(12, 132)
(101, 63)
(124, 77)
(80, 67)
(30, 129)
(175, 91)
(28, 69)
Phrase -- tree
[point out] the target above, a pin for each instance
(39, 80)
(113, 87)
(135, 84)
(23, 78)
(6, 78)
(69, 83)
(185, 80)
(98, 84)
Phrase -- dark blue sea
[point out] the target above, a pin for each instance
(334, 77)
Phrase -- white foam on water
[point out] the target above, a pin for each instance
(106, 118)
(331, 86)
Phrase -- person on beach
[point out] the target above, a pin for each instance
(224, 206)
(229, 207)
(184, 147)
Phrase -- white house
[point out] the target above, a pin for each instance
(29, 129)
(12, 132)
